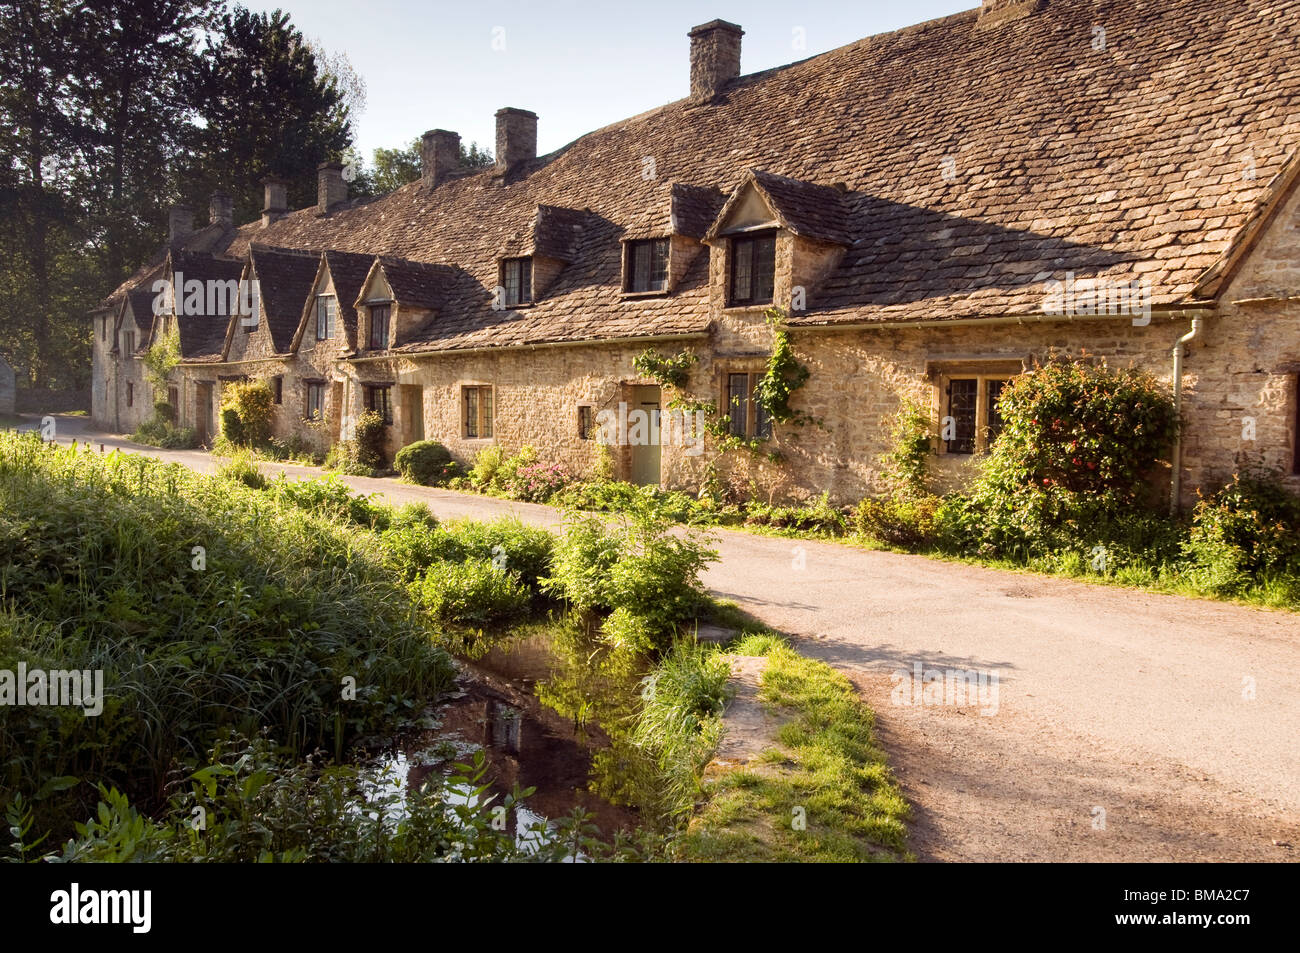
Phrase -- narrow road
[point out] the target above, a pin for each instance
(1123, 725)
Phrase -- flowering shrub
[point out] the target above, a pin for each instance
(538, 482)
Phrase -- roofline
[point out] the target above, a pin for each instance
(588, 342)
(1189, 310)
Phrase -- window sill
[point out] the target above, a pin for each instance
(635, 295)
(763, 306)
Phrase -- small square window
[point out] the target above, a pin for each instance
(753, 269)
(517, 281)
(647, 266)
(477, 418)
(379, 400)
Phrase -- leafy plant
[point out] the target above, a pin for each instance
(672, 371)
(371, 436)
(784, 375)
(246, 411)
(424, 462)
(472, 591)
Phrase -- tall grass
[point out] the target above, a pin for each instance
(208, 606)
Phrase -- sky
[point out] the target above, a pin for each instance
(578, 64)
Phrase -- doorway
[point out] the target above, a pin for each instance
(644, 439)
(411, 404)
(203, 412)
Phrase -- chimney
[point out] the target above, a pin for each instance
(516, 136)
(180, 224)
(221, 211)
(995, 12)
(330, 187)
(715, 58)
(439, 156)
(276, 202)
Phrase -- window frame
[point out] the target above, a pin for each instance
(481, 427)
(757, 425)
(331, 316)
(524, 290)
(277, 389)
(369, 393)
(630, 267)
(130, 394)
(586, 422)
(983, 437)
(387, 308)
(311, 387)
(749, 240)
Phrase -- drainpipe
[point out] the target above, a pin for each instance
(1176, 482)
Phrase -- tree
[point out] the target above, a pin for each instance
(266, 107)
(394, 168)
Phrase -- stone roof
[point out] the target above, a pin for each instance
(416, 284)
(203, 329)
(978, 165)
(285, 279)
(813, 211)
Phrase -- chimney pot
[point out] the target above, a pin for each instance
(180, 224)
(221, 210)
(715, 58)
(276, 199)
(330, 187)
(439, 156)
(516, 136)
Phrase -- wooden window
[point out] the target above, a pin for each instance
(477, 417)
(277, 388)
(380, 400)
(753, 269)
(971, 420)
(326, 316)
(128, 343)
(647, 266)
(379, 314)
(130, 394)
(517, 280)
(586, 422)
(315, 400)
(174, 397)
(746, 417)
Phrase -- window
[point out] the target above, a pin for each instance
(753, 269)
(517, 280)
(128, 343)
(326, 312)
(103, 328)
(173, 396)
(315, 400)
(379, 399)
(971, 419)
(647, 265)
(277, 388)
(747, 418)
(130, 394)
(379, 327)
(477, 402)
(586, 423)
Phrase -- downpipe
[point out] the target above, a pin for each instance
(1176, 481)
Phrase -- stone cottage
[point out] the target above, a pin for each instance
(936, 209)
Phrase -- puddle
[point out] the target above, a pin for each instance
(531, 707)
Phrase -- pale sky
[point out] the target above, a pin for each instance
(578, 64)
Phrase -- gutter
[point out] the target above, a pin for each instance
(1032, 318)
(1176, 480)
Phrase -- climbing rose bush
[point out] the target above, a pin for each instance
(1079, 446)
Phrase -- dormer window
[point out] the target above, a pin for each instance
(646, 266)
(753, 269)
(517, 281)
(326, 311)
(379, 321)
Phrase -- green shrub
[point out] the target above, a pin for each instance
(156, 433)
(900, 521)
(486, 464)
(242, 468)
(522, 550)
(331, 497)
(1248, 530)
(472, 591)
(424, 462)
(1077, 450)
(536, 482)
(345, 457)
(907, 462)
(371, 437)
(164, 412)
(246, 411)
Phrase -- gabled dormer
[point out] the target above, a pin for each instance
(195, 297)
(327, 325)
(397, 300)
(775, 240)
(529, 263)
(278, 282)
(660, 246)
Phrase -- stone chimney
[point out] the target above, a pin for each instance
(715, 58)
(330, 187)
(180, 224)
(439, 156)
(276, 201)
(516, 136)
(996, 12)
(221, 210)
